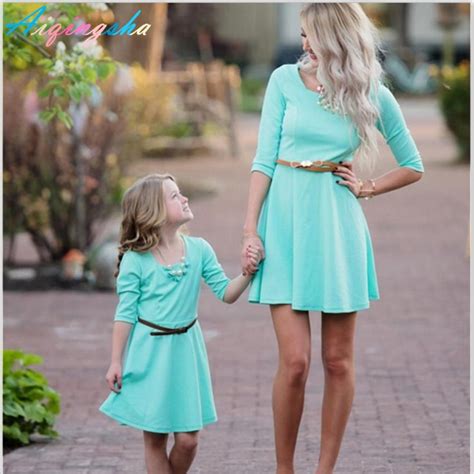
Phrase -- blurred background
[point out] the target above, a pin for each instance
(83, 121)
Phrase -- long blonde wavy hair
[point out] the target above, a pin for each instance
(143, 214)
(345, 43)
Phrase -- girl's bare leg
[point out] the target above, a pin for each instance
(156, 459)
(293, 333)
(184, 451)
(337, 352)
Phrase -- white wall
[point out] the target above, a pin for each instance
(423, 26)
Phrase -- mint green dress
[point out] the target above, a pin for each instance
(166, 382)
(318, 247)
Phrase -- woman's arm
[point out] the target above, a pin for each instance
(259, 184)
(393, 127)
(393, 179)
(263, 166)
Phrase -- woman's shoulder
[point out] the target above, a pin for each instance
(283, 72)
(385, 96)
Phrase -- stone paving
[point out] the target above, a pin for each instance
(411, 409)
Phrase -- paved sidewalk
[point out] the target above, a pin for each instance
(410, 413)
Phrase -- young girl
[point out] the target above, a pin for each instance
(165, 384)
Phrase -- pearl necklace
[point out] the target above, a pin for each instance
(323, 102)
(177, 270)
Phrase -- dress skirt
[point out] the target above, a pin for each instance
(318, 249)
(166, 385)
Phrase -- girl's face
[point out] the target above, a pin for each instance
(307, 47)
(177, 208)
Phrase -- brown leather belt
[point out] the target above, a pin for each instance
(318, 165)
(162, 331)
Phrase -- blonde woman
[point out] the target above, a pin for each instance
(165, 385)
(303, 208)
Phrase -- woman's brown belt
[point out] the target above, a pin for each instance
(318, 165)
(162, 331)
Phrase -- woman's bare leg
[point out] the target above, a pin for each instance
(184, 451)
(337, 351)
(293, 333)
(156, 459)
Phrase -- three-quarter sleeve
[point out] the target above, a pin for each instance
(394, 129)
(269, 134)
(128, 289)
(212, 271)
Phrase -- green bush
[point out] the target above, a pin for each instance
(29, 404)
(251, 95)
(454, 100)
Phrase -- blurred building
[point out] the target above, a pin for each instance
(260, 36)
(266, 35)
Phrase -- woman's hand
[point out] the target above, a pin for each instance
(349, 178)
(254, 257)
(114, 375)
(252, 253)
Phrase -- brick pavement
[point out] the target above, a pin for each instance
(410, 412)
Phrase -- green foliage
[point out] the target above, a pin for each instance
(251, 97)
(41, 163)
(454, 99)
(29, 404)
(151, 110)
(71, 73)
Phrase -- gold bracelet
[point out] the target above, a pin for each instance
(370, 191)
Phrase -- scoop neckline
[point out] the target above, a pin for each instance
(171, 265)
(297, 70)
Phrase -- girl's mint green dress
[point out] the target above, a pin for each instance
(317, 243)
(166, 383)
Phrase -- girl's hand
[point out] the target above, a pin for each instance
(349, 178)
(114, 375)
(256, 243)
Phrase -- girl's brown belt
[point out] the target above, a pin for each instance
(318, 165)
(162, 331)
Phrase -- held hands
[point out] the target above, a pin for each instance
(114, 375)
(252, 254)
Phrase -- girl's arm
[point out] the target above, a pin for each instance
(224, 288)
(120, 335)
(126, 314)
(237, 286)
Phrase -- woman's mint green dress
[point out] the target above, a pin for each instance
(318, 247)
(166, 383)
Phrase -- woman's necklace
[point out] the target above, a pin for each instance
(324, 102)
(177, 270)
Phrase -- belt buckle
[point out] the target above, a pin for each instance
(306, 164)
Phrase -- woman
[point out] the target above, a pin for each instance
(303, 210)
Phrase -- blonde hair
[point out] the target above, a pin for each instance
(345, 43)
(143, 214)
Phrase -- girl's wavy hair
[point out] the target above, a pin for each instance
(143, 214)
(346, 44)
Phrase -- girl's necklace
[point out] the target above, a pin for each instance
(182, 265)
